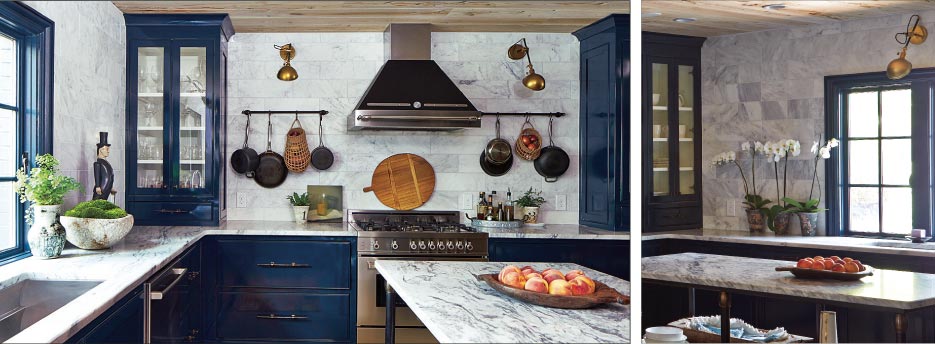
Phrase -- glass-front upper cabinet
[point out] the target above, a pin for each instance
(192, 105)
(151, 117)
(672, 136)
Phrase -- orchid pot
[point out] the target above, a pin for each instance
(756, 220)
(809, 223)
(300, 213)
(781, 223)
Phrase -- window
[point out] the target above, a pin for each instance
(25, 111)
(880, 180)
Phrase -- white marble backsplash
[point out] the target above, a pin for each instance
(334, 71)
(769, 85)
(89, 88)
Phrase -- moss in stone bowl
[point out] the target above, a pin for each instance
(95, 225)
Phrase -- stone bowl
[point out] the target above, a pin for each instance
(95, 234)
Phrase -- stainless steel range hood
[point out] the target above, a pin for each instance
(411, 92)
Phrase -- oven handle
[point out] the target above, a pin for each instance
(281, 317)
(371, 260)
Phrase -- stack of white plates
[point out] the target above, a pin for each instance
(664, 334)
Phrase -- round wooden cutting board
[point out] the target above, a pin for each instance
(403, 181)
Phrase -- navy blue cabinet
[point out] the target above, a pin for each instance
(281, 289)
(608, 256)
(177, 316)
(176, 110)
(605, 123)
(122, 323)
(671, 132)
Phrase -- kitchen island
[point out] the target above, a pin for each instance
(457, 308)
(898, 292)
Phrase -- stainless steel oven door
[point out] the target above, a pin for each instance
(371, 292)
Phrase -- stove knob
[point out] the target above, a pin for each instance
(394, 245)
(468, 246)
(431, 245)
(421, 244)
(412, 245)
(460, 245)
(441, 245)
(375, 244)
(451, 245)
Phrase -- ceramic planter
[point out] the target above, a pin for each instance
(756, 220)
(808, 223)
(781, 223)
(46, 237)
(530, 215)
(96, 234)
(300, 213)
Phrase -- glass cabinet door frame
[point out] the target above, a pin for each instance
(672, 103)
(132, 148)
(209, 116)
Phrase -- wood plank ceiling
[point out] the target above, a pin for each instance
(330, 16)
(715, 18)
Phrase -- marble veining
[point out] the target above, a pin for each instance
(886, 288)
(457, 308)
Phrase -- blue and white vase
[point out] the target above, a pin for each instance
(46, 236)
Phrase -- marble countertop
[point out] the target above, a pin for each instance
(886, 288)
(457, 308)
(857, 244)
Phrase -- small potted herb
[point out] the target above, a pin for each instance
(300, 206)
(97, 224)
(45, 188)
(530, 202)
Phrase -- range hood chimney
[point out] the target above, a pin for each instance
(411, 92)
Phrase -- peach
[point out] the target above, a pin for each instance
(572, 274)
(579, 287)
(835, 258)
(837, 267)
(847, 259)
(818, 258)
(537, 284)
(506, 269)
(553, 275)
(860, 266)
(546, 271)
(514, 279)
(533, 275)
(586, 280)
(804, 263)
(528, 270)
(560, 287)
(828, 263)
(851, 267)
(818, 265)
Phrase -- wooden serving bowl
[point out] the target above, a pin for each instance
(825, 274)
(602, 294)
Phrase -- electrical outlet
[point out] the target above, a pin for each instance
(732, 209)
(561, 202)
(243, 200)
(467, 201)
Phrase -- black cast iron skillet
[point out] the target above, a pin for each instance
(245, 160)
(552, 161)
(495, 170)
(271, 171)
(322, 157)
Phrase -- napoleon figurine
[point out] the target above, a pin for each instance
(103, 172)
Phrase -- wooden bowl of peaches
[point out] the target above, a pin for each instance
(552, 288)
(834, 267)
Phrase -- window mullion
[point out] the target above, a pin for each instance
(880, 160)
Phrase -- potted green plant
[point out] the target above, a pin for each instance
(530, 201)
(807, 211)
(300, 206)
(95, 225)
(754, 204)
(45, 189)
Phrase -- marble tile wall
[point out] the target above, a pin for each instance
(89, 88)
(769, 85)
(334, 71)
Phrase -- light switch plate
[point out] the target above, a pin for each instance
(243, 200)
(467, 201)
(561, 202)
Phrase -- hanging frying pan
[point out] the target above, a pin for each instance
(552, 161)
(322, 157)
(271, 171)
(498, 150)
(403, 181)
(495, 170)
(245, 159)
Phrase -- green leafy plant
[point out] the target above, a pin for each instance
(298, 200)
(756, 202)
(43, 185)
(810, 206)
(530, 199)
(96, 209)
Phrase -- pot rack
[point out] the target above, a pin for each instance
(524, 114)
(294, 112)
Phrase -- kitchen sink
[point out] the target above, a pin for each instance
(27, 301)
(905, 244)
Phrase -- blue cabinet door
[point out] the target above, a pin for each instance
(177, 317)
(604, 124)
(607, 256)
(122, 323)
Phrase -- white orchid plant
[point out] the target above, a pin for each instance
(752, 200)
(821, 152)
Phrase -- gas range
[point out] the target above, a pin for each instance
(415, 233)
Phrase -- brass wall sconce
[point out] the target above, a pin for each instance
(532, 80)
(915, 34)
(287, 53)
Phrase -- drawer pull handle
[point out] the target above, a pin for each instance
(281, 317)
(677, 215)
(172, 211)
(282, 265)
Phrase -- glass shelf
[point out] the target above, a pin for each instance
(666, 169)
(145, 161)
(192, 94)
(149, 95)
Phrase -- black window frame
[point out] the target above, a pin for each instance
(921, 82)
(35, 35)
